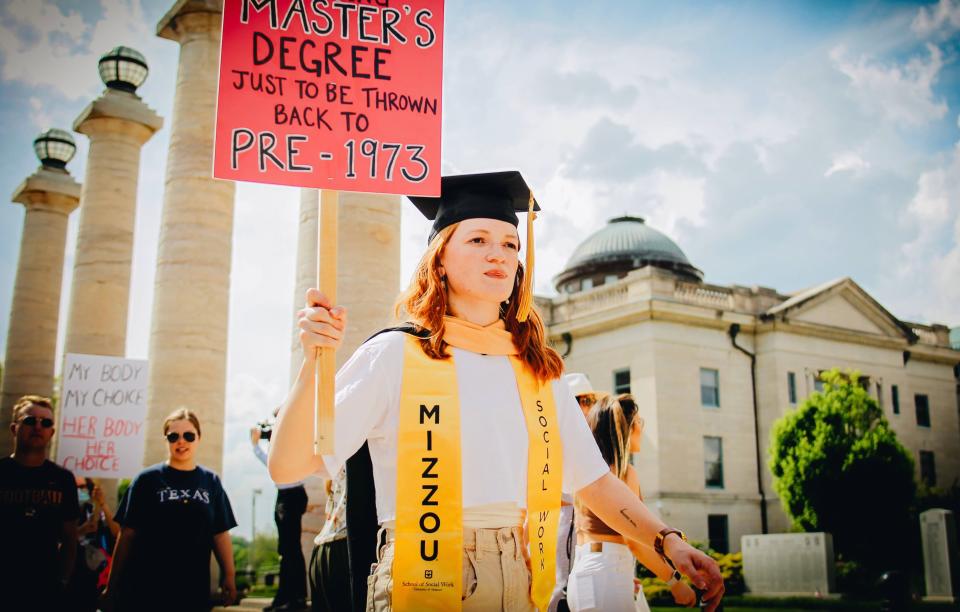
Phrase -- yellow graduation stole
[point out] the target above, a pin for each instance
(428, 551)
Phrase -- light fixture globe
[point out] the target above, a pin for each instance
(123, 68)
(54, 148)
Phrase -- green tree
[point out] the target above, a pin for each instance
(839, 468)
(265, 552)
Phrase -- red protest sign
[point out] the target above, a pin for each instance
(339, 95)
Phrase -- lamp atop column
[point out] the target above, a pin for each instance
(54, 148)
(123, 68)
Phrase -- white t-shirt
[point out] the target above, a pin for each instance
(492, 427)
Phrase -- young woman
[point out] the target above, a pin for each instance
(471, 430)
(172, 516)
(602, 576)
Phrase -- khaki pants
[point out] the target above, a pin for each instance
(495, 573)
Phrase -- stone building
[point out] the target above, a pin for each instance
(634, 314)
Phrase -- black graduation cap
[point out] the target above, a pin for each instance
(487, 195)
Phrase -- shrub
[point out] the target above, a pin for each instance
(838, 467)
(657, 592)
(731, 568)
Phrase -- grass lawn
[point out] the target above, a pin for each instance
(262, 591)
(729, 609)
(795, 604)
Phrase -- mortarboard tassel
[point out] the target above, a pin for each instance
(526, 292)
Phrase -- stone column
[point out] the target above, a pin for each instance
(188, 338)
(939, 538)
(118, 123)
(368, 275)
(49, 195)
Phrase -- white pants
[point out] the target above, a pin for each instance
(603, 580)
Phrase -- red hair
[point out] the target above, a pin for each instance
(425, 303)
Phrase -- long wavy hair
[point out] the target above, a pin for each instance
(425, 303)
(611, 422)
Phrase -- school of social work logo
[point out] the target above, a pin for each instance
(428, 573)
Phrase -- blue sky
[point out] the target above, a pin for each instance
(779, 143)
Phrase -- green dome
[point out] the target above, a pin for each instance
(624, 244)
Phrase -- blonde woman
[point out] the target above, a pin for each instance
(472, 432)
(172, 516)
(602, 576)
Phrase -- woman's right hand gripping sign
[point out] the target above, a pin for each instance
(321, 324)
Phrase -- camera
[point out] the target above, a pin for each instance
(266, 429)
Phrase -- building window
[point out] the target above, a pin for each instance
(586, 283)
(610, 278)
(895, 397)
(621, 381)
(713, 462)
(880, 395)
(792, 387)
(817, 383)
(923, 410)
(710, 388)
(928, 469)
(718, 533)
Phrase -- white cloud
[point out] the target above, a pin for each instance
(942, 19)
(930, 262)
(575, 207)
(677, 199)
(900, 93)
(848, 161)
(931, 204)
(39, 114)
(43, 45)
(601, 127)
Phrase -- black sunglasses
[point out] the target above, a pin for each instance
(173, 436)
(30, 421)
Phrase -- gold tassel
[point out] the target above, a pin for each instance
(526, 292)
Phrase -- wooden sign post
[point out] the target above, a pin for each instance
(325, 366)
(340, 96)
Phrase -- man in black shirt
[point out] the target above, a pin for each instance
(38, 512)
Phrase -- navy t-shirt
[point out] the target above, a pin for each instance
(175, 514)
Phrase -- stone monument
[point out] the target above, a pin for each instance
(788, 563)
(940, 562)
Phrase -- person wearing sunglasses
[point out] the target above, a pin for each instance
(173, 516)
(582, 390)
(38, 511)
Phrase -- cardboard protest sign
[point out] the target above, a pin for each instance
(331, 94)
(103, 406)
